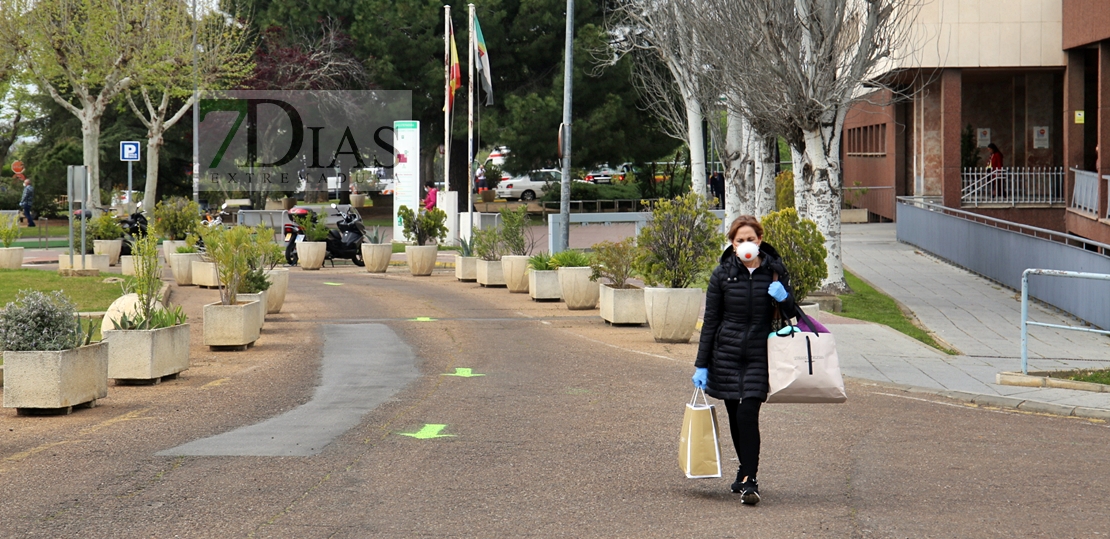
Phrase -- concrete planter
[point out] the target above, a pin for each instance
(672, 313)
(515, 270)
(169, 247)
(147, 354)
(854, 215)
(182, 266)
(544, 285)
(377, 256)
(230, 325)
(11, 257)
(489, 273)
(56, 379)
(310, 254)
(127, 265)
(358, 200)
(578, 291)
(621, 306)
(260, 308)
(203, 273)
(279, 284)
(92, 262)
(466, 268)
(421, 259)
(111, 248)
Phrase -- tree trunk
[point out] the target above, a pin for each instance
(735, 158)
(90, 141)
(798, 167)
(696, 139)
(763, 168)
(153, 147)
(823, 190)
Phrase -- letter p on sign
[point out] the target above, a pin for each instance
(129, 151)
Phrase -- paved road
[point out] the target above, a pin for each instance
(570, 432)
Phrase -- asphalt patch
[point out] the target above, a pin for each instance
(363, 365)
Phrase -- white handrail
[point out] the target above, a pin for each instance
(1025, 323)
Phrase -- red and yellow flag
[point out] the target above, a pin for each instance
(455, 77)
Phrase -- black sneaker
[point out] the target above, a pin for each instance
(750, 494)
(738, 485)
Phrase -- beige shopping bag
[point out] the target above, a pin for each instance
(699, 450)
(803, 368)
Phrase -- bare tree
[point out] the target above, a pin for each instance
(797, 66)
(223, 58)
(651, 28)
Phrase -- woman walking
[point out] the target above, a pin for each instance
(732, 354)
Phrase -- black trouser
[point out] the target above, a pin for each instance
(743, 422)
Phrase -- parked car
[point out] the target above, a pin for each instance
(528, 186)
(607, 174)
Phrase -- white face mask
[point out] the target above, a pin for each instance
(747, 251)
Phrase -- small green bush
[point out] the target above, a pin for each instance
(423, 226)
(516, 236)
(589, 191)
(254, 282)
(147, 281)
(680, 244)
(314, 229)
(487, 244)
(37, 322)
(613, 262)
(571, 259)
(9, 229)
(784, 190)
(176, 217)
(540, 262)
(231, 249)
(105, 227)
(801, 246)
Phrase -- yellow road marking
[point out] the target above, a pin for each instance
(24, 454)
(124, 417)
(215, 383)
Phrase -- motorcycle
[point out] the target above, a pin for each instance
(343, 242)
(134, 227)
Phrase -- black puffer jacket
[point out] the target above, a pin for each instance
(738, 315)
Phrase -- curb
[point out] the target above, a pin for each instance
(996, 401)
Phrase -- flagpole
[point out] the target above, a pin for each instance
(447, 98)
(470, 115)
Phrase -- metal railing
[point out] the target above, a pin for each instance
(1084, 196)
(1025, 323)
(875, 199)
(1012, 185)
(555, 221)
(603, 206)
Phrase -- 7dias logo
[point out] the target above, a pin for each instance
(296, 141)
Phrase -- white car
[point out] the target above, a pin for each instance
(528, 186)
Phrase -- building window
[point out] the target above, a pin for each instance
(866, 141)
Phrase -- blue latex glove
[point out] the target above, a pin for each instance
(701, 378)
(777, 291)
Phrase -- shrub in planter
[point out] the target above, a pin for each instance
(543, 280)
(620, 302)
(48, 360)
(176, 217)
(487, 247)
(517, 243)
(423, 226)
(105, 227)
(9, 229)
(310, 251)
(578, 291)
(680, 244)
(802, 248)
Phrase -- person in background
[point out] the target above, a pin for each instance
(732, 353)
(995, 165)
(430, 198)
(717, 186)
(480, 178)
(26, 200)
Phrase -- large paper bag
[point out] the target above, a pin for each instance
(804, 368)
(699, 451)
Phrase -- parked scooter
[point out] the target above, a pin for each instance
(134, 227)
(346, 242)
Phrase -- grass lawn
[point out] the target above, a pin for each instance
(1094, 376)
(869, 304)
(34, 244)
(89, 293)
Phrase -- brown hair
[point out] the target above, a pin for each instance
(745, 220)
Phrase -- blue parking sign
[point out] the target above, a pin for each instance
(129, 151)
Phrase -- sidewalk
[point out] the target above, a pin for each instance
(978, 317)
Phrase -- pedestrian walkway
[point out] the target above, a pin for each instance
(978, 317)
